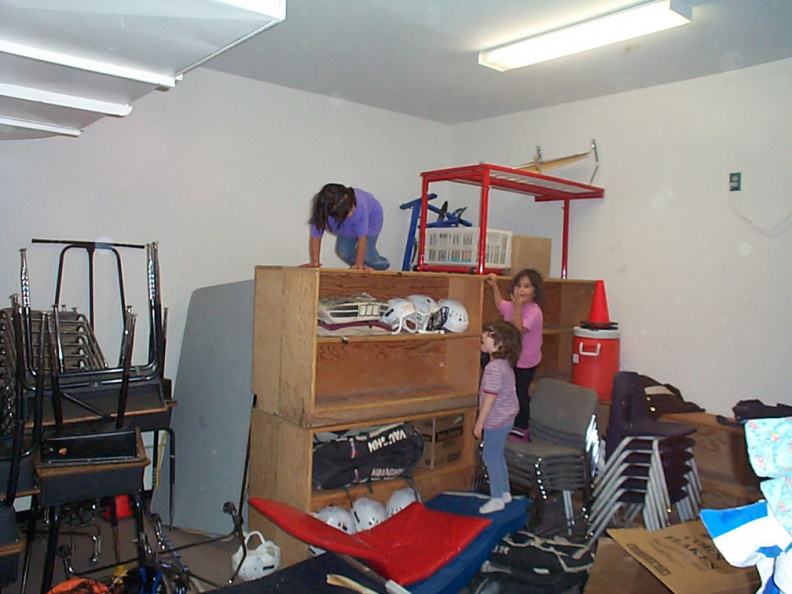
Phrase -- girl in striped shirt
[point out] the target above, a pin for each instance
(498, 405)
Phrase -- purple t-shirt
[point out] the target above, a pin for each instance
(498, 378)
(532, 321)
(366, 219)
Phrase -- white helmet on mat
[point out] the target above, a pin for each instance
(400, 315)
(429, 316)
(400, 499)
(368, 513)
(457, 320)
(337, 517)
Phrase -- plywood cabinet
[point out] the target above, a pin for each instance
(304, 384)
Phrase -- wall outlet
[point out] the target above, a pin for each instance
(735, 182)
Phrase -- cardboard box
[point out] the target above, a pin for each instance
(613, 565)
(684, 558)
(443, 440)
(530, 252)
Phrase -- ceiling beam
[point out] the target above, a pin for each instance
(40, 126)
(61, 100)
(95, 66)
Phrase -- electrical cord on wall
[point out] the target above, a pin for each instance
(773, 230)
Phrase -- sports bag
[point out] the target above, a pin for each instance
(524, 563)
(384, 452)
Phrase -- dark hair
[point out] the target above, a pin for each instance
(333, 200)
(536, 282)
(508, 336)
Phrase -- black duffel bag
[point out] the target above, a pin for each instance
(384, 452)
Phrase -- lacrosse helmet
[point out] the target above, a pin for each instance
(259, 562)
(368, 513)
(337, 517)
(429, 316)
(400, 499)
(457, 320)
(400, 315)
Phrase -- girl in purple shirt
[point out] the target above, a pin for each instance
(355, 217)
(525, 313)
(497, 407)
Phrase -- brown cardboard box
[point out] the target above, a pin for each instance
(443, 440)
(530, 252)
(614, 566)
(684, 558)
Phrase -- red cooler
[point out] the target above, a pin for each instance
(595, 359)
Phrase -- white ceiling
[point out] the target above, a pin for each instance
(66, 63)
(419, 57)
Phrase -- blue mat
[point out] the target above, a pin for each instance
(453, 577)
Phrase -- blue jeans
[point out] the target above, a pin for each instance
(346, 248)
(495, 460)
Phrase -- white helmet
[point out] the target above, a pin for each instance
(457, 320)
(259, 562)
(429, 316)
(337, 517)
(400, 315)
(368, 513)
(400, 499)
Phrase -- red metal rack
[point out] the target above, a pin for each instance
(543, 188)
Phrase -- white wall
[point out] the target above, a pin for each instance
(700, 294)
(220, 171)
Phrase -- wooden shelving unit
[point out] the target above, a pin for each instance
(304, 384)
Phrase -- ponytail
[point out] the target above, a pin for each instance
(333, 200)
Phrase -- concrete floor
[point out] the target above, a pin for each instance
(210, 561)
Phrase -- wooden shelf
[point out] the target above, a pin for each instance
(411, 401)
(305, 384)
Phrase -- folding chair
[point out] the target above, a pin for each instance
(649, 465)
(563, 448)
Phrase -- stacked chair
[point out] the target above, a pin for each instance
(649, 466)
(70, 421)
(563, 450)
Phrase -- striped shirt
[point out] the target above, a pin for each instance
(498, 378)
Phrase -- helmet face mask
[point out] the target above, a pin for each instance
(429, 316)
(457, 319)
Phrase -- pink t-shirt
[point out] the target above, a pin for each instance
(532, 321)
(498, 378)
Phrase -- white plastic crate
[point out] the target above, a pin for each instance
(458, 246)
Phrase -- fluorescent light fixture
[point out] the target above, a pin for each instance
(632, 22)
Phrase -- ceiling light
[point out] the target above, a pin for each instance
(614, 27)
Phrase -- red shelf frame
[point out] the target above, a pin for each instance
(543, 188)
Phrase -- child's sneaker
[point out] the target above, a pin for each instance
(517, 434)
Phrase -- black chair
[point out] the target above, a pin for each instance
(649, 465)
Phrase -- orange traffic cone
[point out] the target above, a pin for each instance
(599, 317)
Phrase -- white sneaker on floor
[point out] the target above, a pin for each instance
(493, 505)
(506, 497)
